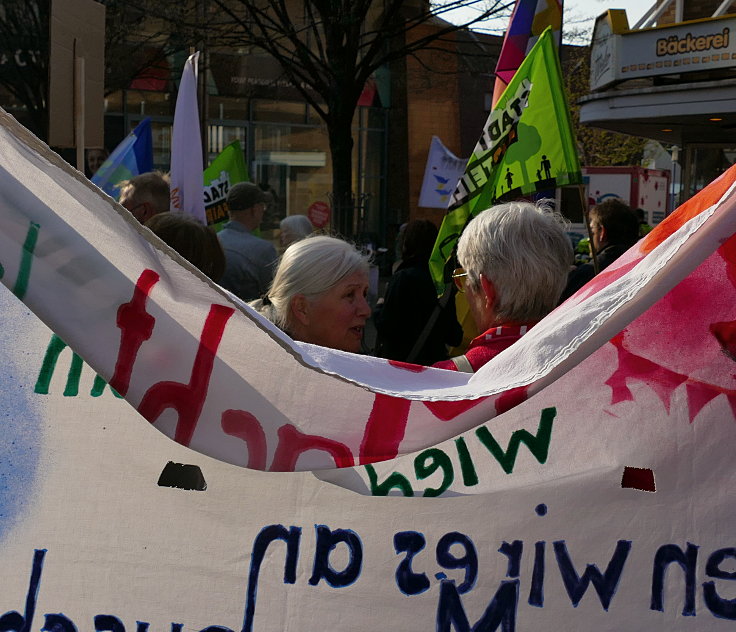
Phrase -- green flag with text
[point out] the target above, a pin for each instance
(527, 145)
(224, 171)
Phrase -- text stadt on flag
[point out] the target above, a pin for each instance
(526, 146)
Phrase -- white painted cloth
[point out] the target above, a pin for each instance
(601, 498)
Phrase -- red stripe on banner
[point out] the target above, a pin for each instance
(385, 429)
(188, 399)
(449, 410)
(407, 366)
(728, 252)
(511, 398)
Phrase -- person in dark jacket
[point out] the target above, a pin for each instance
(614, 228)
(410, 301)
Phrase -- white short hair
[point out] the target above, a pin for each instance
(522, 248)
(297, 227)
(309, 267)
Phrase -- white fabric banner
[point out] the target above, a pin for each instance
(589, 467)
(441, 174)
(186, 147)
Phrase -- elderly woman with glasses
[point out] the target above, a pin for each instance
(515, 258)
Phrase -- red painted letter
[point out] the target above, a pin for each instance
(245, 426)
(188, 399)
(292, 443)
(385, 428)
(136, 326)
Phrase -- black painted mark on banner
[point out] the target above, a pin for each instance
(181, 476)
(638, 478)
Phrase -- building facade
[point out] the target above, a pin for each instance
(443, 91)
(670, 78)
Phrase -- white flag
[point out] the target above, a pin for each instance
(443, 171)
(186, 147)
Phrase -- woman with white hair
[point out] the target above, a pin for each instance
(293, 228)
(318, 294)
(515, 258)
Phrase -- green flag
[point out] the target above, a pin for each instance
(224, 171)
(527, 145)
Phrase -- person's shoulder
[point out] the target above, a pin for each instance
(584, 271)
(401, 275)
(229, 226)
(610, 253)
(227, 232)
(229, 239)
(414, 275)
(576, 279)
(263, 244)
(448, 365)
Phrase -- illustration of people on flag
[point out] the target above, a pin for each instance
(527, 146)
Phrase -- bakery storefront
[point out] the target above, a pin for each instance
(673, 83)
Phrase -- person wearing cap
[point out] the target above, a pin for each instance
(249, 260)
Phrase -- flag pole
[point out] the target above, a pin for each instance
(79, 112)
(593, 250)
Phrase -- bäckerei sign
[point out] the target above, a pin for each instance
(698, 45)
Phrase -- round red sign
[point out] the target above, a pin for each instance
(319, 214)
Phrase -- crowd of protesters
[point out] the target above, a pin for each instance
(515, 265)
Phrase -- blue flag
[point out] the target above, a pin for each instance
(133, 156)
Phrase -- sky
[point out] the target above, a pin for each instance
(580, 13)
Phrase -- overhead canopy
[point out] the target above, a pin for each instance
(702, 112)
(674, 83)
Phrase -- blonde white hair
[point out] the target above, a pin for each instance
(295, 227)
(522, 248)
(309, 267)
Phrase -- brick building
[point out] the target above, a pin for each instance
(444, 91)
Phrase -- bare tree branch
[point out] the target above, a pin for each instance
(332, 48)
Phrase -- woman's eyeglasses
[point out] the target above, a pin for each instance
(459, 276)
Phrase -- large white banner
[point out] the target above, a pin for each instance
(588, 470)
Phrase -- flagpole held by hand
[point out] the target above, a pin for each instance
(586, 215)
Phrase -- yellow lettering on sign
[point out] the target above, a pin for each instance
(688, 43)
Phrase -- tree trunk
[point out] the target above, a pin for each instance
(341, 149)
